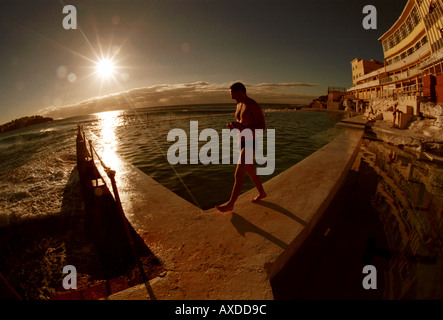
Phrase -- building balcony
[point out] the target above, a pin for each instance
(423, 52)
(401, 76)
(434, 58)
(368, 84)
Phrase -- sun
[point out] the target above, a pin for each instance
(105, 68)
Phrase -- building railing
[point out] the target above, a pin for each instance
(336, 89)
(411, 90)
(367, 84)
(386, 80)
(401, 76)
(431, 60)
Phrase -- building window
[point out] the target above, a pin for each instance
(411, 50)
(412, 21)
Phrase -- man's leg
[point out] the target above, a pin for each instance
(240, 172)
(236, 190)
(255, 178)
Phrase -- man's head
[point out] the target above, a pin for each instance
(238, 91)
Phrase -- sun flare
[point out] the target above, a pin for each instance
(105, 68)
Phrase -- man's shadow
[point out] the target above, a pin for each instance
(243, 226)
(282, 210)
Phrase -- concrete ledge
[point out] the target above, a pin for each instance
(402, 118)
(360, 120)
(209, 255)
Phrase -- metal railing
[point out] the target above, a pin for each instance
(111, 175)
(337, 89)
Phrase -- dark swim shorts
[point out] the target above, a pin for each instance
(243, 145)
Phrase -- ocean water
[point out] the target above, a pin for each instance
(37, 162)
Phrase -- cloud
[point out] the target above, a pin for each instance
(200, 92)
(286, 84)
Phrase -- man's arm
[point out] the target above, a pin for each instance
(258, 117)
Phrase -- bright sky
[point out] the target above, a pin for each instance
(182, 52)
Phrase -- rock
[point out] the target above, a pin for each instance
(431, 109)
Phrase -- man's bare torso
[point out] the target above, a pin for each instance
(245, 113)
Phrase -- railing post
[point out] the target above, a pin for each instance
(92, 159)
(92, 151)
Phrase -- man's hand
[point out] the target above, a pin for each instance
(235, 125)
(230, 125)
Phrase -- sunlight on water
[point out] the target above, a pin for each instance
(107, 143)
(108, 122)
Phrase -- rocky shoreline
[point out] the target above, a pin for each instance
(23, 122)
(421, 137)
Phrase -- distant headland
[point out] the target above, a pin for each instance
(23, 122)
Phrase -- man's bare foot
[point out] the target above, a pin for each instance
(259, 197)
(225, 208)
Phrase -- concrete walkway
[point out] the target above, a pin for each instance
(209, 255)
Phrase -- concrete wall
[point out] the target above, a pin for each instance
(334, 105)
(335, 96)
(403, 120)
(409, 105)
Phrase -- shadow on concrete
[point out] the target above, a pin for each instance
(282, 210)
(98, 246)
(243, 226)
(330, 262)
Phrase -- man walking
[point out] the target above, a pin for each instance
(248, 115)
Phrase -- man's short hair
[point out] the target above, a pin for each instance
(238, 86)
